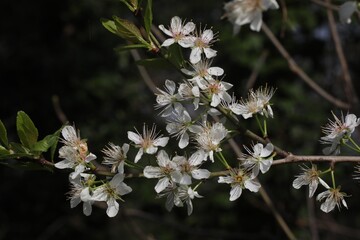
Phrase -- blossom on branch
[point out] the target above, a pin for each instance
(148, 142)
(333, 198)
(115, 155)
(75, 152)
(311, 177)
(239, 179)
(202, 44)
(338, 132)
(241, 12)
(179, 33)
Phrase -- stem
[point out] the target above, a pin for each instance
(333, 178)
(260, 126)
(355, 144)
(223, 160)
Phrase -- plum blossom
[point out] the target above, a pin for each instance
(333, 197)
(311, 177)
(180, 124)
(148, 142)
(167, 99)
(346, 10)
(166, 171)
(115, 155)
(257, 102)
(112, 191)
(241, 12)
(177, 195)
(239, 179)
(80, 192)
(338, 131)
(210, 137)
(202, 44)
(203, 70)
(258, 159)
(178, 33)
(187, 91)
(216, 90)
(75, 152)
(190, 167)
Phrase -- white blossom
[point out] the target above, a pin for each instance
(216, 90)
(203, 70)
(148, 142)
(346, 10)
(210, 137)
(338, 131)
(202, 44)
(187, 91)
(239, 179)
(112, 191)
(257, 102)
(333, 198)
(259, 158)
(178, 33)
(75, 152)
(311, 177)
(190, 167)
(241, 12)
(167, 99)
(166, 171)
(80, 192)
(179, 125)
(115, 155)
(177, 195)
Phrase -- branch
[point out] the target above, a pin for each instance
(296, 69)
(349, 87)
(314, 158)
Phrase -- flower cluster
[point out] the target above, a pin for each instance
(84, 188)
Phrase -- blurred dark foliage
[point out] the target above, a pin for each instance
(59, 50)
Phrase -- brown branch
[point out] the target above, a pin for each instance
(297, 69)
(315, 158)
(326, 5)
(348, 85)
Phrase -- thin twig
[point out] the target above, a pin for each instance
(348, 85)
(312, 220)
(296, 69)
(315, 158)
(58, 110)
(326, 5)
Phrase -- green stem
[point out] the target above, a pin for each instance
(223, 160)
(333, 178)
(265, 129)
(260, 126)
(355, 144)
(351, 147)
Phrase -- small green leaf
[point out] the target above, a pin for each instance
(133, 5)
(4, 151)
(18, 148)
(129, 47)
(128, 31)
(44, 144)
(148, 18)
(109, 25)
(26, 129)
(3, 135)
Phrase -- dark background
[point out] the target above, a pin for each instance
(59, 50)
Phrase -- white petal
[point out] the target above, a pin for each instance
(139, 155)
(99, 194)
(168, 42)
(123, 189)
(117, 179)
(200, 174)
(65, 164)
(346, 10)
(197, 158)
(113, 207)
(235, 192)
(161, 141)
(69, 133)
(267, 151)
(74, 202)
(265, 165)
(216, 71)
(207, 36)
(210, 53)
(87, 208)
(312, 188)
(175, 24)
(256, 22)
(163, 158)
(328, 205)
(167, 32)
(195, 55)
(151, 150)
(252, 185)
(184, 140)
(186, 42)
(162, 184)
(136, 138)
(152, 172)
(188, 28)
(298, 182)
(90, 157)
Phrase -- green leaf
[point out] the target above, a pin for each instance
(3, 135)
(44, 144)
(148, 18)
(129, 47)
(109, 25)
(133, 5)
(174, 55)
(26, 129)
(4, 151)
(18, 148)
(128, 31)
